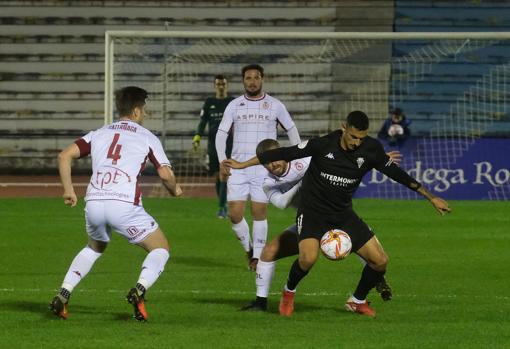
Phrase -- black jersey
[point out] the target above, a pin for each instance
(334, 173)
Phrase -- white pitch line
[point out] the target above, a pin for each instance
(307, 294)
(27, 184)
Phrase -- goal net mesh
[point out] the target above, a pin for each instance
(453, 90)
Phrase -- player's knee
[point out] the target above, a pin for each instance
(307, 260)
(235, 217)
(381, 262)
(97, 246)
(269, 253)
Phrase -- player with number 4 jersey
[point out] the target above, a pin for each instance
(119, 153)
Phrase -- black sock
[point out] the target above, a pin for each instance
(369, 278)
(64, 292)
(295, 275)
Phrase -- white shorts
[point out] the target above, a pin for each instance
(242, 184)
(130, 221)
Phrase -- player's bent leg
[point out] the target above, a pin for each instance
(259, 214)
(153, 265)
(288, 245)
(372, 274)
(382, 287)
(154, 240)
(97, 246)
(264, 275)
(283, 245)
(79, 268)
(240, 226)
(373, 253)
(308, 254)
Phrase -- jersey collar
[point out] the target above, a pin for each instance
(257, 99)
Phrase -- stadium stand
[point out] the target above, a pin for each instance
(429, 102)
(51, 80)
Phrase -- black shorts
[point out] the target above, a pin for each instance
(311, 225)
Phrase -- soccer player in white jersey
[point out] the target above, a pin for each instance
(119, 153)
(253, 117)
(282, 189)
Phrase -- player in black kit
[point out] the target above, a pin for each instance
(339, 162)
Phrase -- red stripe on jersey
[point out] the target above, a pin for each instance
(153, 159)
(83, 146)
(138, 190)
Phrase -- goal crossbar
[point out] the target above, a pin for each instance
(110, 35)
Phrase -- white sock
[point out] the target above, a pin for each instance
(356, 300)
(289, 290)
(153, 266)
(242, 231)
(80, 267)
(259, 237)
(263, 278)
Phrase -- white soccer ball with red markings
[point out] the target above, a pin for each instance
(336, 244)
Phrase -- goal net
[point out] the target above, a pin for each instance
(454, 87)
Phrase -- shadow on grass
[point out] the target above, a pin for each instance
(202, 262)
(272, 308)
(42, 308)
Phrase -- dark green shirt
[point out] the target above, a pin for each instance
(212, 113)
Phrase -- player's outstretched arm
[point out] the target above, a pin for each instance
(439, 204)
(395, 156)
(168, 178)
(65, 159)
(231, 163)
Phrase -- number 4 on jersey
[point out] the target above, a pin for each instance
(114, 151)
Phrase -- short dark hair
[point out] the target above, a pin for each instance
(128, 98)
(253, 66)
(265, 145)
(398, 111)
(358, 119)
(220, 77)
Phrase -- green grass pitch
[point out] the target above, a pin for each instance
(450, 277)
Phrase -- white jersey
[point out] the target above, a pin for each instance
(252, 122)
(119, 153)
(275, 186)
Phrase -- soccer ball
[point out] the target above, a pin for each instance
(336, 244)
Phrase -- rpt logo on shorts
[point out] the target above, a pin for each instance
(133, 231)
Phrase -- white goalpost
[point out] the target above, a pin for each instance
(454, 86)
